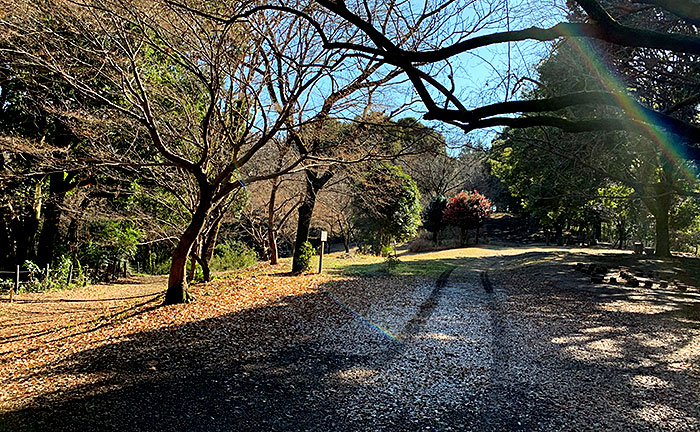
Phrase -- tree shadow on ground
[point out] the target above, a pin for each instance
(633, 352)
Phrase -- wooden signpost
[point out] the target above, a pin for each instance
(324, 238)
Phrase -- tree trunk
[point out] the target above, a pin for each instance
(177, 285)
(272, 240)
(314, 184)
(193, 266)
(208, 250)
(306, 209)
(462, 236)
(476, 239)
(49, 234)
(559, 234)
(660, 207)
(621, 232)
(663, 244)
(346, 235)
(271, 234)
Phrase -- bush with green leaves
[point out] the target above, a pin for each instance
(111, 243)
(6, 285)
(390, 263)
(307, 254)
(387, 251)
(387, 204)
(432, 216)
(233, 255)
(64, 274)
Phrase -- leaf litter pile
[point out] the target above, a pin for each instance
(40, 331)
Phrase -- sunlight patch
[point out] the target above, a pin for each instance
(636, 307)
(570, 339)
(649, 382)
(440, 336)
(663, 414)
(357, 375)
(602, 329)
(656, 341)
(688, 353)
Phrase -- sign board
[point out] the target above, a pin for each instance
(324, 236)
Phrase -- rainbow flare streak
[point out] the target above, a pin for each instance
(382, 331)
(664, 141)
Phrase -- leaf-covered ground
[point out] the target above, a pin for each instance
(487, 338)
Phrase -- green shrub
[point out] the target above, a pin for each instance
(307, 254)
(6, 285)
(391, 262)
(233, 255)
(387, 251)
(56, 278)
(111, 243)
(162, 267)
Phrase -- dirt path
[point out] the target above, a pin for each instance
(505, 339)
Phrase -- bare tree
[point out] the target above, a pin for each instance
(198, 88)
(446, 20)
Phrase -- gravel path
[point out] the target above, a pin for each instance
(493, 345)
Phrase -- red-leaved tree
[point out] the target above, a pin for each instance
(467, 211)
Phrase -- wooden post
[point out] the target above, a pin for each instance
(324, 237)
(47, 271)
(16, 287)
(70, 274)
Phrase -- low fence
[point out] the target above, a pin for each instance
(16, 275)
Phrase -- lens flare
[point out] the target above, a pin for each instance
(667, 143)
(382, 331)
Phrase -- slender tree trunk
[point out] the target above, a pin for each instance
(177, 285)
(271, 234)
(193, 266)
(346, 235)
(476, 239)
(621, 230)
(272, 240)
(462, 236)
(208, 250)
(149, 258)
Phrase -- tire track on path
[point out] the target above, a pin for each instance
(426, 309)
